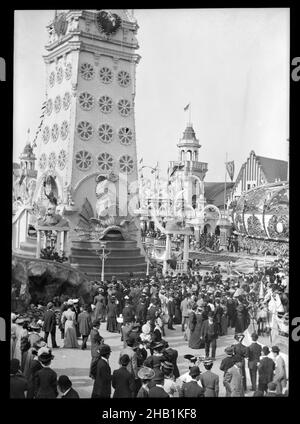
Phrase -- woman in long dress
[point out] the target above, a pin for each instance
(68, 320)
(112, 325)
(13, 335)
(196, 325)
(100, 302)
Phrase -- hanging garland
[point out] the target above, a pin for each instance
(108, 22)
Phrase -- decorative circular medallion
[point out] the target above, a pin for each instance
(43, 161)
(123, 78)
(84, 130)
(62, 159)
(59, 75)
(54, 133)
(105, 104)
(49, 106)
(106, 75)
(46, 134)
(108, 23)
(105, 133)
(124, 107)
(86, 101)
(87, 71)
(60, 24)
(126, 164)
(64, 130)
(66, 100)
(68, 71)
(105, 161)
(83, 160)
(57, 104)
(52, 160)
(125, 136)
(52, 79)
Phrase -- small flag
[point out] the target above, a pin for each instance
(187, 107)
(141, 160)
(21, 179)
(230, 169)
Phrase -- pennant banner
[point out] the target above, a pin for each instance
(187, 107)
(230, 169)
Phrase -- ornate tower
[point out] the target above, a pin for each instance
(88, 133)
(27, 157)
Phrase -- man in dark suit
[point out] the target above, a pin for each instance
(49, 325)
(240, 353)
(253, 354)
(209, 380)
(18, 383)
(171, 355)
(102, 383)
(209, 332)
(266, 369)
(157, 390)
(127, 312)
(123, 381)
(64, 385)
(192, 388)
(171, 311)
(84, 325)
(226, 364)
(141, 310)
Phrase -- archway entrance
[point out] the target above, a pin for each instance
(207, 229)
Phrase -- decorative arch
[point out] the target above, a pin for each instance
(189, 155)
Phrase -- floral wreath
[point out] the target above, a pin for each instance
(108, 22)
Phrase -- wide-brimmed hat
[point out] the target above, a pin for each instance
(275, 349)
(45, 354)
(34, 326)
(146, 373)
(50, 305)
(39, 344)
(190, 357)
(208, 362)
(104, 350)
(20, 320)
(157, 345)
(194, 371)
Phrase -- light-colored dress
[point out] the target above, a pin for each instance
(13, 339)
(68, 319)
(20, 332)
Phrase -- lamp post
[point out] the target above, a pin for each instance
(103, 256)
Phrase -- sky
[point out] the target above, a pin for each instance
(231, 65)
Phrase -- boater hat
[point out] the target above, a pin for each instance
(146, 373)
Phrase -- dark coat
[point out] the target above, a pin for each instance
(141, 312)
(35, 366)
(266, 369)
(158, 392)
(192, 390)
(18, 385)
(96, 341)
(240, 351)
(72, 394)
(102, 383)
(46, 383)
(85, 323)
(123, 383)
(205, 328)
(128, 314)
(172, 356)
(253, 354)
(210, 383)
(171, 307)
(49, 325)
(227, 363)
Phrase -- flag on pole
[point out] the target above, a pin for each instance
(230, 169)
(187, 107)
(141, 160)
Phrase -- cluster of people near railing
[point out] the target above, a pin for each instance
(205, 306)
(261, 247)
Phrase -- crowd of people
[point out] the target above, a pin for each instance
(204, 305)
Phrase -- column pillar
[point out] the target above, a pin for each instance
(167, 254)
(185, 252)
(38, 244)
